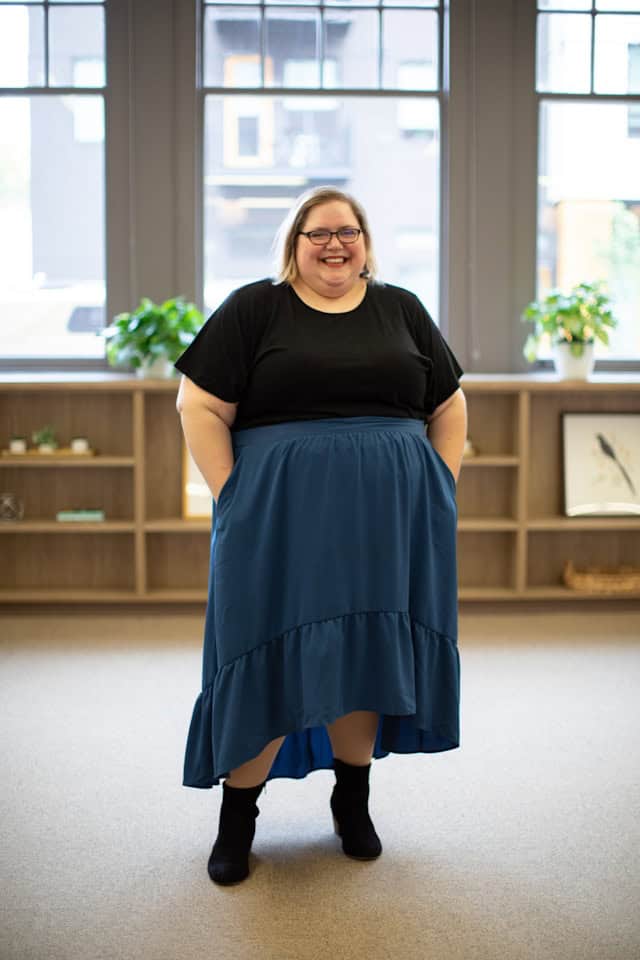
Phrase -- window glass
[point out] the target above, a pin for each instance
(351, 38)
(76, 34)
(52, 253)
(302, 141)
(409, 35)
(589, 209)
(232, 47)
(617, 46)
(21, 47)
(563, 53)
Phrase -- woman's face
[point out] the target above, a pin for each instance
(333, 269)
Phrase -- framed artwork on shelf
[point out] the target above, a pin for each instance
(601, 454)
(197, 502)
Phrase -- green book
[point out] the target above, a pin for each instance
(82, 515)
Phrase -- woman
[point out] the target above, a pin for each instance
(331, 626)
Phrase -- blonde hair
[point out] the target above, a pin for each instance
(284, 245)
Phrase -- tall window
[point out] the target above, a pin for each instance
(588, 81)
(52, 243)
(307, 94)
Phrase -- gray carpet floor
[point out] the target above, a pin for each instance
(523, 844)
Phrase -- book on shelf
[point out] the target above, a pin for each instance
(86, 516)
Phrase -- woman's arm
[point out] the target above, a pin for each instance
(206, 422)
(447, 430)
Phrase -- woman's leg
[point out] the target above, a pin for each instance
(353, 736)
(255, 771)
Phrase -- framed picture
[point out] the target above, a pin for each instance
(601, 464)
(197, 502)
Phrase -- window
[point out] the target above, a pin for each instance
(52, 246)
(327, 95)
(589, 156)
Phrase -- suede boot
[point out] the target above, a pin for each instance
(349, 805)
(229, 860)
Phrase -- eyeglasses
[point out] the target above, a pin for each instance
(320, 237)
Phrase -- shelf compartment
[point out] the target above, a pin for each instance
(64, 562)
(546, 476)
(177, 563)
(487, 492)
(493, 422)
(549, 551)
(105, 417)
(64, 489)
(486, 560)
(162, 456)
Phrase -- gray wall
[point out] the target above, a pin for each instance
(488, 229)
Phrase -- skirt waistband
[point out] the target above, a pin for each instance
(291, 429)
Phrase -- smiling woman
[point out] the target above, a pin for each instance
(337, 518)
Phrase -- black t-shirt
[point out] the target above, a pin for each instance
(282, 360)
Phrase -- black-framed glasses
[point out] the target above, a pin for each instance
(320, 237)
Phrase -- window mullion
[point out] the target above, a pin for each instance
(380, 45)
(263, 42)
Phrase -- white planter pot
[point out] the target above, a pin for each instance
(570, 367)
(158, 369)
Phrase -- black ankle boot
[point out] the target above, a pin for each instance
(349, 805)
(229, 860)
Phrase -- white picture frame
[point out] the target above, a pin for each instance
(197, 502)
(601, 454)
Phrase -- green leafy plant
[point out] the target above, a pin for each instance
(576, 318)
(45, 435)
(152, 331)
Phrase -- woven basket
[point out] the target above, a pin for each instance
(601, 580)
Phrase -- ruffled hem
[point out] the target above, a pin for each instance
(297, 683)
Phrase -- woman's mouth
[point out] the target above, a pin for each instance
(334, 261)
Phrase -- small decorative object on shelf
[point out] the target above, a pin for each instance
(623, 579)
(17, 444)
(80, 445)
(45, 439)
(11, 507)
(572, 322)
(469, 449)
(80, 515)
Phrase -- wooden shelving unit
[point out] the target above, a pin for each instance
(513, 537)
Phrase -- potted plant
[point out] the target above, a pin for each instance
(572, 322)
(45, 439)
(17, 443)
(152, 337)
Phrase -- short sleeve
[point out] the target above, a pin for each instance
(446, 371)
(220, 357)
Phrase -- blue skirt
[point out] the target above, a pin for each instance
(332, 588)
